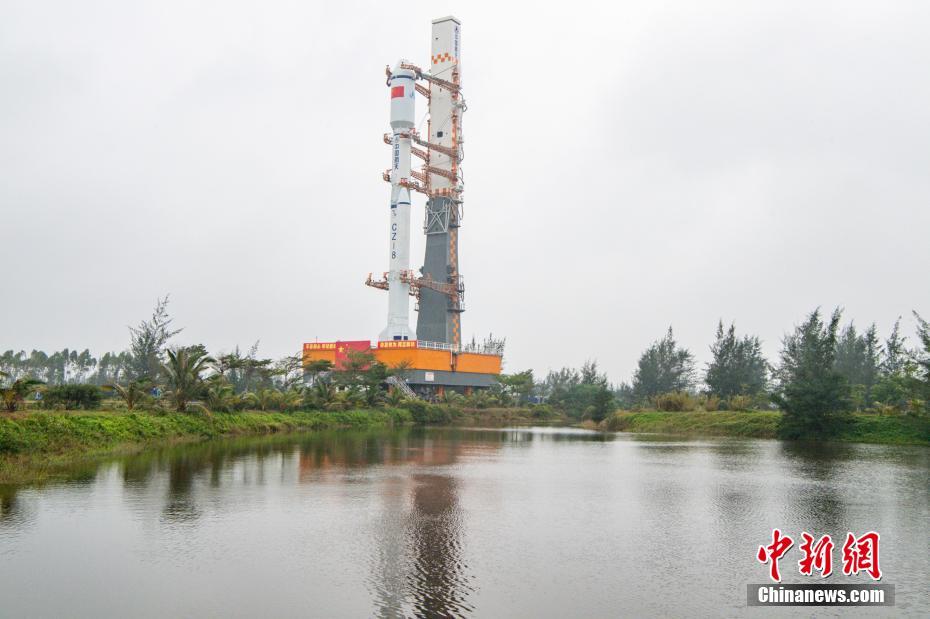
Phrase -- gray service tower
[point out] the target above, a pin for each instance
(440, 314)
(441, 305)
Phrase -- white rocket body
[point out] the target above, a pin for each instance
(403, 90)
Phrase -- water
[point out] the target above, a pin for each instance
(492, 523)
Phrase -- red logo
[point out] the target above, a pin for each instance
(397, 91)
(773, 552)
(817, 556)
(861, 555)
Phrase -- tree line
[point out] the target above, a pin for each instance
(150, 372)
(824, 372)
(148, 342)
(154, 374)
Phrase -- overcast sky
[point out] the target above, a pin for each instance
(629, 166)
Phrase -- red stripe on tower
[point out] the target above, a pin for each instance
(397, 91)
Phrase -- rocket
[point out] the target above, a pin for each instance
(402, 85)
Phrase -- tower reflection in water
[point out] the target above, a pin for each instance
(439, 579)
(418, 566)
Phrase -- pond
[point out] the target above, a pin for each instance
(542, 522)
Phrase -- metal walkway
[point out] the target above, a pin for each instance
(401, 384)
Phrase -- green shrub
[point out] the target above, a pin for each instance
(543, 411)
(426, 413)
(72, 397)
(709, 403)
(915, 407)
(886, 409)
(740, 403)
(677, 401)
(617, 422)
(399, 416)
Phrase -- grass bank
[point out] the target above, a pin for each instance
(504, 416)
(33, 445)
(897, 429)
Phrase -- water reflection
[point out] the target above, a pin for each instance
(330, 453)
(419, 568)
(181, 504)
(454, 522)
(9, 507)
(440, 579)
(819, 498)
(390, 556)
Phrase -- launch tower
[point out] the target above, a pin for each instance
(434, 358)
(441, 307)
(438, 286)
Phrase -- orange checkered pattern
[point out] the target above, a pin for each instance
(447, 57)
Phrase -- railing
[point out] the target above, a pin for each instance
(426, 345)
(401, 384)
(437, 346)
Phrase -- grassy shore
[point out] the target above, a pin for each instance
(897, 429)
(503, 416)
(34, 445)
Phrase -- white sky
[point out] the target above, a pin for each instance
(629, 166)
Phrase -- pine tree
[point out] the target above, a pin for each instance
(872, 366)
(921, 358)
(663, 368)
(812, 394)
(738, 367)
(148, 341)
(894, 353)
(858, 360)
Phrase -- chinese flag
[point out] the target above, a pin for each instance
(397, 91)
(343, 348)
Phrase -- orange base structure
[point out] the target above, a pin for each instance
(426, 363)
(407, 353)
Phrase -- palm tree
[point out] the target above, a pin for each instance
(220, 396)
(479, 399)
(353, 397)
(396, 397)
(452, 397)
(16, 392)
(247, 400)
(183, 374)
(133, 393)
(320, 395)
(291, 399)
(268, 398)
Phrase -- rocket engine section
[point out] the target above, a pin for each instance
(402, 86)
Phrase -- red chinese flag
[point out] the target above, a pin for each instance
(397, 91)
(343, 349)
